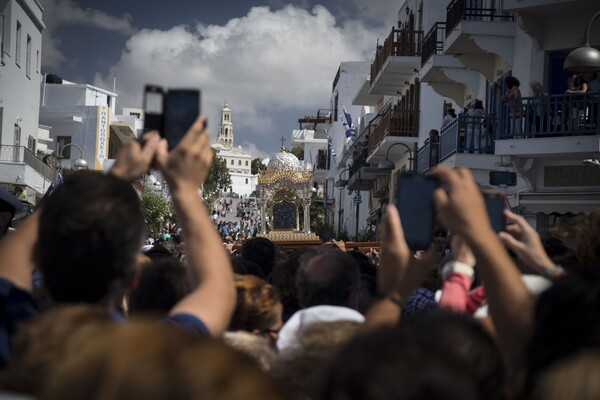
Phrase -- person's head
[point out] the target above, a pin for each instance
(511, 81)
(392, 363)
(536, 88)
(160, 285)
(245, 267)
(478, 105)
(452, 112)
(257, 347)
(261, 251)
(90, 231)
(329, 277)
(42, 343)
(258, 308)
(434, 133)
(284, 279)
(154, 362)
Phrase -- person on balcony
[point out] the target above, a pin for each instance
(513, 96)
(577, 85)
(473, 137)
(449, 117)
(539, 113)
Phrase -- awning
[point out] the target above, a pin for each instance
(561, 203)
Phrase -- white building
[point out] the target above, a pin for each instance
(451, 55)
(22, 140)
(238, 161)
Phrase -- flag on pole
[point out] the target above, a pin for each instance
(330, 145)
(350, 129)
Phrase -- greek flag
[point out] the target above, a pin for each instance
(350, 129)
(330, 146)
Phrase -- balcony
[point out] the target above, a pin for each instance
(444, 73)
(554, 125)
(428, 156)
(393, 121)
(473, 135)
(481, 36)
(395, 64)
(22, 155)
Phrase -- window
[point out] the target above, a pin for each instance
(246, 163)
(239, 162)
(246, 181)
(61, 142)
(18, 45)
(17, 143)
(231, 162)
(2, 38)
(31, 144)
(28, 57)
(37, 61)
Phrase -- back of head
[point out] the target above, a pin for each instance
(90, 231)
(511, 81)
(156, 362)
(258, 306)
(161, 285)
(394, 364)
(260, 251)
(284, 279)
(327, 277)
(246, 267)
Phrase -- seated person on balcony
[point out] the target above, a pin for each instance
(449, 117)
(513, 96)
(539, 113)
(473, 136)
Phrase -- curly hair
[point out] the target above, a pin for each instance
(256, 306)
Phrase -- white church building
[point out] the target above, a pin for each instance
(238, 161)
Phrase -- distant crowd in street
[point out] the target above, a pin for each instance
(87, 315)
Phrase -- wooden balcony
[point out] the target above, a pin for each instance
(394, 121)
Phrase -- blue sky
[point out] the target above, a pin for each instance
(273, 61)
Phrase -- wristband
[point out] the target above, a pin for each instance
(457, 267)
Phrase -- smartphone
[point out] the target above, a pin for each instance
(503, 178)
(416, 208)
(153, 108)
(494, 204)
(181, 108)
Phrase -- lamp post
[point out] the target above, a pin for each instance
(387, 165)
(80, 163)
(341, 184)
(586, 58)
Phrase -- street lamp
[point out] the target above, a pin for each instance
(341, 184)
(586, 58)
(387, 165)
(80, 163)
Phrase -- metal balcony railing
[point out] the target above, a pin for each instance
(21, 154)
(467, 134)
(428, 156)
(433, 43)
(474, 10)
(394, 121)
(400, 42)
(548, 116)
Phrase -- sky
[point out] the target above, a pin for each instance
(272, 61)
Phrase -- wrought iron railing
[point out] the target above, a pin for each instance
(468, 134)
(474, 10)
(546, 116)
(394, 121)
(21, 154)
(400, 42)
(433, 43)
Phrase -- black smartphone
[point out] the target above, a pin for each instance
(416, 208)
(503, 178)
(494, 204)
(181, 108)
(153, 108)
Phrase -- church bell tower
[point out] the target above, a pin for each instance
(225, 136)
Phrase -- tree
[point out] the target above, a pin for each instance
(256, 166)
(298, 152)
(217, 180)
(156, 210)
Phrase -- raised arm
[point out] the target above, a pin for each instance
(185, 169)
(461, 209)
(16, 253)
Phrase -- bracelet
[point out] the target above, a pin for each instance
(453, 267)
(394, 297)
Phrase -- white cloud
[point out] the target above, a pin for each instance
(263, 63)
(59, 13)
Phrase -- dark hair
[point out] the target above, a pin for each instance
(326, 278)
(511, 81)
(90, 231)
(160, 286)
(566, 321)
(246, 267)
(284, 279)
(260, 251)
(391, 363)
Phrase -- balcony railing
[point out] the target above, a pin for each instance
(428, 156)
(400, 42)
(474, 10)
(548, 116)
(433, 43)
(21, 154)
(467, 134)
(394, 121)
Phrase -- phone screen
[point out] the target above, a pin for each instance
(181, 109)
(494, 205)
(153, 108)
(415, 205)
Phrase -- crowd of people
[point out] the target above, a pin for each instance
(107, 321)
